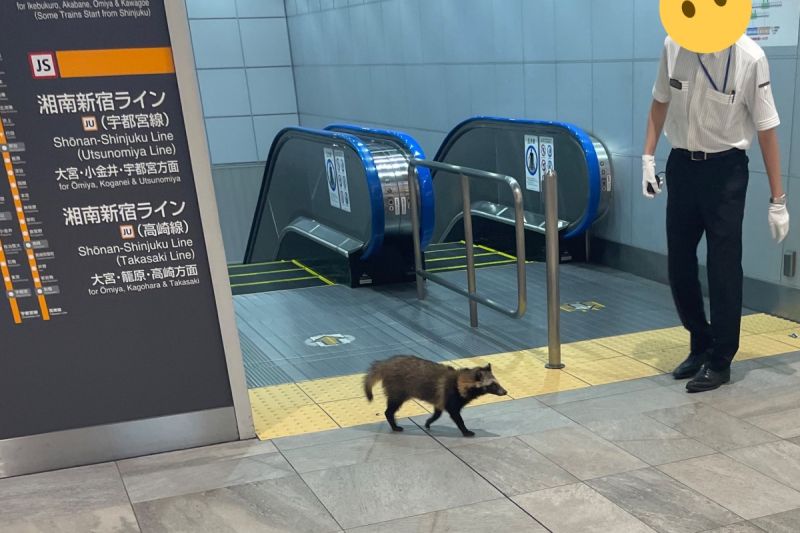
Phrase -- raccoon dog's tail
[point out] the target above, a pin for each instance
(374, 375)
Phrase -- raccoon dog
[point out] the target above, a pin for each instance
(406, 376)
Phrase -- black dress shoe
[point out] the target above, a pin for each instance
(691, 366)
(708, 379)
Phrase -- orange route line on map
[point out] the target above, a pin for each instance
(23, 226)
(4, 272)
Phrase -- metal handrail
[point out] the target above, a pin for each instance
(519, 230)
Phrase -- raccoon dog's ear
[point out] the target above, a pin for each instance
(488, 367)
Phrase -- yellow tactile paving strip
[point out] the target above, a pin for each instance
(330, 403)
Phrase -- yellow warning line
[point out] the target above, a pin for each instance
(264, 273)
(330, 403)
(312, 272)
(498, 252)
(273, 281)
(458, 267)
(245, 265)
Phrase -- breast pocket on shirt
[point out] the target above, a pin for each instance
(679, 100)
(720, 109)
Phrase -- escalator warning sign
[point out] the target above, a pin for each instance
(532, 163)
(332, 178)
(341, 178)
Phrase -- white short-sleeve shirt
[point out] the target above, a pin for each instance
(704, 119)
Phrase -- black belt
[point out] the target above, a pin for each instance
(702, 156)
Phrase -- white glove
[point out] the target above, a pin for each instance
(649, 176)
(778, 221)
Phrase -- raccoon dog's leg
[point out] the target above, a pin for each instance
(455, 414)
(436, 414)
(392, 406)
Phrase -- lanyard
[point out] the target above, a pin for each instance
(727, 70)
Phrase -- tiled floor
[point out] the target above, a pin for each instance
(632, 456)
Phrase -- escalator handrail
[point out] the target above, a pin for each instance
(373, 184)
(590, 214)
(427, 203)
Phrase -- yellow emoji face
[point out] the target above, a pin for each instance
(705, 26)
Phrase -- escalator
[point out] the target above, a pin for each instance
(524, 150)
(333, 209)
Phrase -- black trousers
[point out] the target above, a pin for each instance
(707, 197)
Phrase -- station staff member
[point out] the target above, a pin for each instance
(711, 106)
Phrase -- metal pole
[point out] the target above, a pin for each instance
(414, 197)
(553, 260)
(471, 284)
(519, 233)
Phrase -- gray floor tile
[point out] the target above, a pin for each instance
(579, 509)
(589, 393)
(94, 494)
(496, 515)
(278, 505)
(768, 401)
(659, 452)
(788, 522)
(366, 449)
(332, 436)
(495, 425)
(115, 519)
(196, 456)
(371, 493)
(779, 460)
(649, 440)
(622, 405)
(513, 467)
(785, 424)
(741, 527)
(582, 453)
(180, 480)
(662, 503)
(785, 359)
(635, 427)
(712, 427)
(790, 367)
(735, 486)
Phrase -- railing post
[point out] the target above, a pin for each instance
(471, 282)
(519, 237)
(553, 261)
(415, 229)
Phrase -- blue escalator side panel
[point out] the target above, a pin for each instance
(373, 184)
(590, 214)
(427, 202)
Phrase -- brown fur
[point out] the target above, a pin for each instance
(446, 388)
